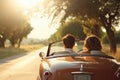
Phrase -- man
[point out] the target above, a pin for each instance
(68, 43)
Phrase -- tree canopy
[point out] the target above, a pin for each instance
(13, 24)
(71, 27)
(106, 13)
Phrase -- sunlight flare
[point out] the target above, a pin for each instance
(34, 10)
(28, 3)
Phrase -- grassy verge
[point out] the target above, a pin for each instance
(106, 49)
(9, 51)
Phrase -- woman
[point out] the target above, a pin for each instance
(92, 45)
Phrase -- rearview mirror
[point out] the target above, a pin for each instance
(41, 55)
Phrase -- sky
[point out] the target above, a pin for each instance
(42, 29)
(41, 26)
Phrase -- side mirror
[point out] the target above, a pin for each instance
(41, 55)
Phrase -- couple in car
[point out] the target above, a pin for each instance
(92, 44)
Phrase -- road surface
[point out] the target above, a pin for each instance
(20, 67)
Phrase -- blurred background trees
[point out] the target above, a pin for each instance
(79, 17)
(14, 25)
(67, 28)
(98, 13)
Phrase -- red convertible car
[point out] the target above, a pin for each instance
(57, 64)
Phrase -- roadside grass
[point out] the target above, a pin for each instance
(116, 55)
(10, 51)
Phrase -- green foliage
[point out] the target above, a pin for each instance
(13, 24)
(19, 33)
(87, 8)
(117, 37)
(72, 27)
(105, 12)
(105, 39)
(6, 52)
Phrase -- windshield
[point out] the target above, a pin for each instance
(58, 47)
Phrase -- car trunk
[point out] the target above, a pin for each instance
(101, 68)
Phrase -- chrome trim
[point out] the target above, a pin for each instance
(81, 68)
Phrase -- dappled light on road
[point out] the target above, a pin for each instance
(22, 68)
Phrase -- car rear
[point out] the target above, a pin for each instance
(85, 68)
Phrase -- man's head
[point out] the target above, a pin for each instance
(68, 41)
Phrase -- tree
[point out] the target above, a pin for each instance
(26, 30)
(105, 12)
(19, 33)
(109, 15)
(92, 27)
(117, 35)
(5, 32)
(72, 27)
(6, 21)
(13, 24)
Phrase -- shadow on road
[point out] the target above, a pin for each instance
(5, 60)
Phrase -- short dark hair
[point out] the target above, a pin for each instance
(68, 41)
(92, 43)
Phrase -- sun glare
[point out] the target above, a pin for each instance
(28, 4)
(42, 29)
(41, 26)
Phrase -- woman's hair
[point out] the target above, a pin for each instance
(68, 41)
(92, 43)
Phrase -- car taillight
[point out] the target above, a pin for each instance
(47, 74)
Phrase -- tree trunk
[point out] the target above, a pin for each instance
(2, 43)
(112, 40)
(107, 23)
(96, 30)
(12, 43)
(19, 42)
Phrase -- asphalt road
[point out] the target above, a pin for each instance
(20, 67)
